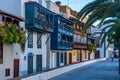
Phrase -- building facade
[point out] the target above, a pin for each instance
(61, 41)
(9, 53)
(41, 21)
(80, 50)
(39, 25)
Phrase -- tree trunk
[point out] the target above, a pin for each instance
(119, 60)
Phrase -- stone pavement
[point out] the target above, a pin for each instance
(104, 70)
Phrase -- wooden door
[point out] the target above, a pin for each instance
(57, 59)
(39, 63)
(97, 54)
(88, 56)
(70, 58)
(30, 64)
(80, 57)
(65, 58)
(16, 68)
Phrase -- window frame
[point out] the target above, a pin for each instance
(39, 39)
(30, 45)
(7, 72)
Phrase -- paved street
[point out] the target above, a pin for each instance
(105, 70)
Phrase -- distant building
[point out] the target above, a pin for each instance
(80, 50)
(102, 50)
(52, 6)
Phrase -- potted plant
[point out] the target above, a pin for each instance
(92, 47)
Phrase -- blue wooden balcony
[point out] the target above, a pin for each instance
(62, 37)
(38, 18)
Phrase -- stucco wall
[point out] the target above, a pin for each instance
(35, 51)
(52, 6)
(10, 52)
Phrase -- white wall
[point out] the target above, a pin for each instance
(35, 51)
(10, 52)
(17, 7)
(52, 6)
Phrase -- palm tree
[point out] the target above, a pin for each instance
(113, 32)
(99, 10)
(106, 12)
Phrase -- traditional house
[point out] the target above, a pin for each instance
(80, 50)
(10, 51)
(61, 41)
(39, 23)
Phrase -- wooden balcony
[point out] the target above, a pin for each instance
(77, 31)
(77, 45)
(38, 18)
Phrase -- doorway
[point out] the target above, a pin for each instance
(30, 64)
(97, 54)
(70, 58)
(16, 68)
(38, 63)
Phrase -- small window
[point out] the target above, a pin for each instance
(7, 72)
(97, 41)
(39, 40)
(30, 39)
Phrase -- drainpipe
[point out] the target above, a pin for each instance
(104, 49)
(48, 51)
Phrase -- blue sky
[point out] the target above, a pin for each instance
(74, 4)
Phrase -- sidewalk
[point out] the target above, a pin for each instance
(104, 70)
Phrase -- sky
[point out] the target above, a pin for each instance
(74, 4)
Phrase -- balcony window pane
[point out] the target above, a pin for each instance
(39, 40)
(30, 39)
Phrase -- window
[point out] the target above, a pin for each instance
(30, 39)
(85, 54)
(7, 72)
(61, 57)
(97, 41)
(39, 40)
(1, 53)
(78, 56)
(63, 39)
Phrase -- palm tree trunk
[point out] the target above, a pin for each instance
(119, 60)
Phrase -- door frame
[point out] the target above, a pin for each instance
(16, 67)
(40, 65)
(31, 62)
(70, 58)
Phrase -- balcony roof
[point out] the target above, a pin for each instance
(64, 18)
(33, 2)
(11, 15)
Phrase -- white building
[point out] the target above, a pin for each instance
(52, 6)
(103, 51)
(34, 58)
(9, 54)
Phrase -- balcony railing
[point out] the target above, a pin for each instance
(78, 45)
(38, 18)
(65, 45)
